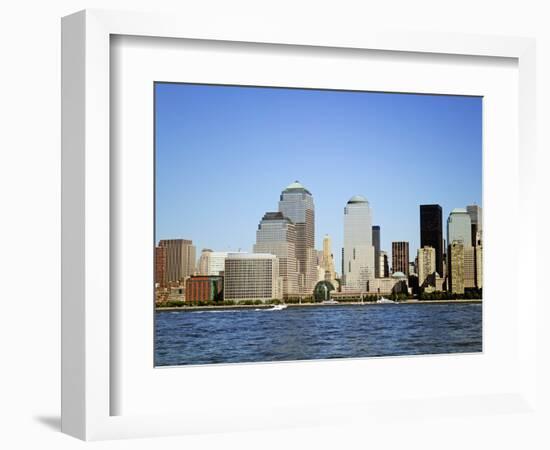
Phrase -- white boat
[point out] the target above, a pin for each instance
(384, 300)
(330, 302)
(277, 308)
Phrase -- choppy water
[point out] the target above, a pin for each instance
(246, 335)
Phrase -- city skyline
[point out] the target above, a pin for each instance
(194, 204)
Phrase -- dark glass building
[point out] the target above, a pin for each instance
(376, 243)
(431, 232)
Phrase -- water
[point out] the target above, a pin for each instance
(246, 335)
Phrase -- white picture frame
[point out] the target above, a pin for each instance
(88, 387)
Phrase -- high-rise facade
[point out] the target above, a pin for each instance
(358, 256)
(180, 259)
(296, 203)
(328, 258)
(276, 235)
(427, 263)
(461, 254)
(376, 244)
(384, 264)
(459, 227)
(474, 211)
(479, 266)
(252, 276)
(204, 259)
(469, 267)
(431, 232)
(160, 266)
(216, 263)
(400, 257)
(456, 267)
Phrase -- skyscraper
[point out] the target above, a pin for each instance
(426, 265)
(216, 262)
(461, 254)
(376, 244)
(359, 265)
(328, 259)
(160, 266)
(459, 227)
(384, 265)
(400, 257)
(474, 211)
(276, 235)
(456, 269)
(296, 203)
(180, 259)
(431, 232)
(204, 259)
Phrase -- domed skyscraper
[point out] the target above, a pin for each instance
(358, 255)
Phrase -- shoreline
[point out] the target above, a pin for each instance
(310, 305)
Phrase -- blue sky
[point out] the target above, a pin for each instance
(225, 153)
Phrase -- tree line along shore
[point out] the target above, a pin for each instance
(432, 297)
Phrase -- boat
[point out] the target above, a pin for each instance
(329, 302)
(384, 300)
(276, 308)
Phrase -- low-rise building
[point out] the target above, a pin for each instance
(398, 283)
(252, 276)
(204, 288)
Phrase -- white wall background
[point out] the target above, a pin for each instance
(29, 223)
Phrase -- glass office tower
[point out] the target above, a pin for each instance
(431, 232)
(358, 256)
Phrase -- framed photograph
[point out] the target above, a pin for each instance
(252, 217)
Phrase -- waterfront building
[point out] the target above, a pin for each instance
(180, 259)
(398, 283)
(400, 257)
(434, 283)
(426, 265)
(204, 288)
(252, 276)
(160, 267)
(202, 265)
(322, 291)
(376, 244)
(384, 265)
(276, 234)
(296, 203)
(474, 211)
(175, 294)
(431, 232)
(358, 267)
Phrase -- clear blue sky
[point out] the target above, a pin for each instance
(224, 154)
